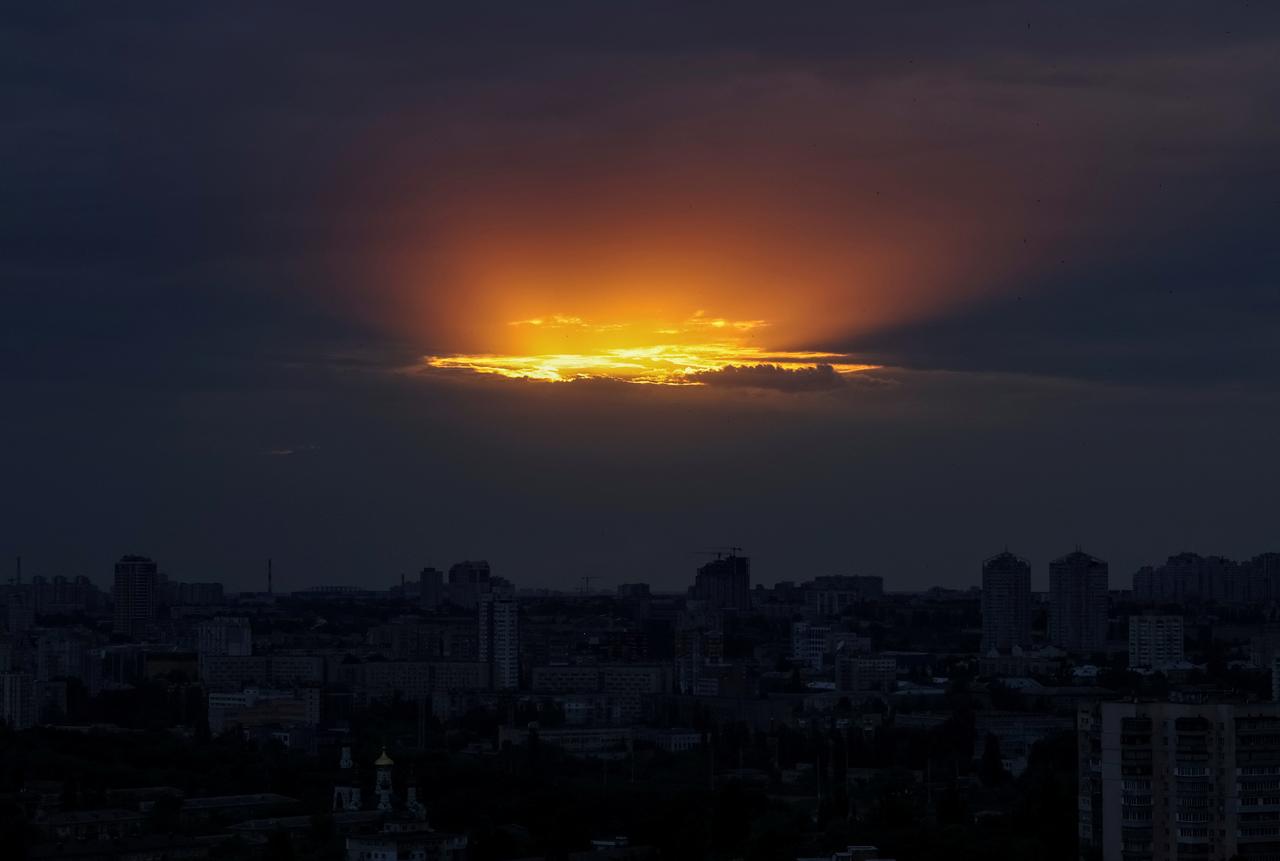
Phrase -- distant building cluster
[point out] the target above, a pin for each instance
(1078, 603)
(1165, 689)
(1190, 577)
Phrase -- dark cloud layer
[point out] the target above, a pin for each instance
(1079, 310)
(1201, 307)
(816, 379)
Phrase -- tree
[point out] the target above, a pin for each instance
(992, 771)
(279, 847)
(166, 814)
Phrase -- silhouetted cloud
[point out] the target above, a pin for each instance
(819, 378)
(290, 451)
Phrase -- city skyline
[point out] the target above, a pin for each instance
(585, 431)
(1052, 717)
(1151, 581)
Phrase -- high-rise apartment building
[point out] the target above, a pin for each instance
(1190, 577)
(63, 595)
(17, 700)
(468, 580)
(698, 652)
(500, 639)
(1165, 781)
(1006, 603)
(472, 571)
(724, 583)
(1155, 641)
(430, 588)
(1078, 601)
(136, 593)
(20, 614)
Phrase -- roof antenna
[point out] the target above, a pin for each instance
(270, 585)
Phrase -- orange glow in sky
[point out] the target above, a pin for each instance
(650, 352)
(581, 244)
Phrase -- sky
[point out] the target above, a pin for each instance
(590, 289)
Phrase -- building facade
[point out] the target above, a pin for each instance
(1164, 781)
(224, 635)
(1078, 601)
(135, 593)
(500, 639)
(724, 583)
(833, 595)
(809, 644)
(1006, 603)
(1155, 641)
(867, 674)
(17, 700)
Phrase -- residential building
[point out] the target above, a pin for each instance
(1165, 781)
(430, 588)
(225, 673)
(64, 653)
(867, 674)
(724, 583)
(833, 595)
(1155, 641)
(1189, 577)
(175, 593)
(17, 700)
(224, 636)
(64, 596)
(500, 639)
(262, 707)
(20, 612)
(809, 644)
(411, 680)
(136, 594)
(468, 580)
(1006, 603)
(1078, 601)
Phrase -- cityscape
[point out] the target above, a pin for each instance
(456, 715)
(638, 430)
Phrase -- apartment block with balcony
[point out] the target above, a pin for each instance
(1163, 781)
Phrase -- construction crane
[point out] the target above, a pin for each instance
(719, 552)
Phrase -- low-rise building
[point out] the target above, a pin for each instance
(254, 707)
(867, 674)
(809, 644)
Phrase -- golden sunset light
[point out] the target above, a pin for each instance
(649, 352)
